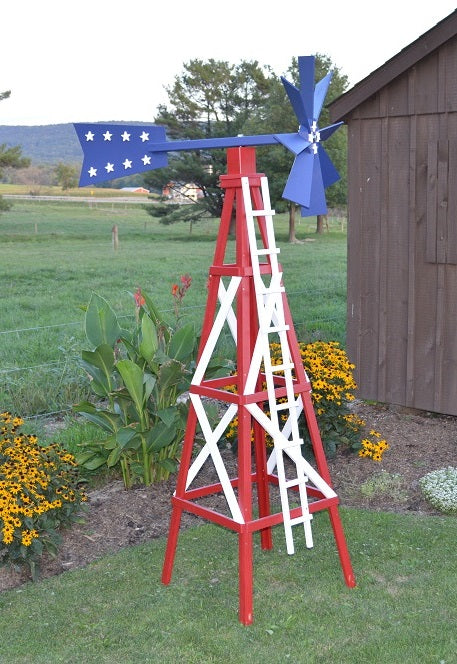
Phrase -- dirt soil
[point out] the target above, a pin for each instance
(116, 518)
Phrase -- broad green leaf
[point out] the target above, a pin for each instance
(99, 365)
(124, 436)
(101, 324)
(157, 317)
(149, 341)
(170, 375)
(107, 421)
(93, 463)
(114, 457)
(182, 343)
(168, 415)
(133, 380)
(168, 464)
(160, 436)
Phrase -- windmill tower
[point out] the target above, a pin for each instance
(248, 296)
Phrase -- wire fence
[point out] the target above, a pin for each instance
(54, 381)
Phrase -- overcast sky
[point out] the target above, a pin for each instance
(89, 61)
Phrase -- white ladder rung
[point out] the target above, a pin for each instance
(289, 444)
(285, 405)
(300, 481)
(282, 367)
(278, 328)
(301, 519)
(262, 213)
(266, 252)
(272, 290)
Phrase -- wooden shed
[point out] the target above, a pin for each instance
(402, 224)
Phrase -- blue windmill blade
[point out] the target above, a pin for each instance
(298, 104)
(113, 151)
(326, 132)
(320, 93)
(296, 143)
(310, 175)
(298, 187)
(317, 204)
(306, 76)
(329, 173)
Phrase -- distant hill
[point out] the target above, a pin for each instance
(45, 144)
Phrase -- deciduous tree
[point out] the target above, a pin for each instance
(66, 175)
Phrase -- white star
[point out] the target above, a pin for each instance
(145, 136)
(125, 136)
(107, 136)
(127, 164)
(109, 167)
(92, 172)
(146, 159)
(89, 136)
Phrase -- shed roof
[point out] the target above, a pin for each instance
(341, 107)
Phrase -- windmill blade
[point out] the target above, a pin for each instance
(306, 75)
(317, 203)
(311, 173)
(293, 142)
(326, 132)
(329, 173)
(319, 95)
(113, 151)
(298, 187)
(298, 104)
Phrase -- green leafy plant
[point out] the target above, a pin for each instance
(384, 484)
(440, 489)
(137, 377)
(39, 494)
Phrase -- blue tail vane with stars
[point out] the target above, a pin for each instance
(113, 151)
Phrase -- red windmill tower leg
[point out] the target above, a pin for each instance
(245, 402)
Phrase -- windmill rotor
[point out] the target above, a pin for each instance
(116, 150)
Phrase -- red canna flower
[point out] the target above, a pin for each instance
(139, 299)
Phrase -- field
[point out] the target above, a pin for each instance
(56, 253)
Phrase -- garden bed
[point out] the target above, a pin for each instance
(116, 518)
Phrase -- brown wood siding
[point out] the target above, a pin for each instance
(402, 238)
(402, 225)
(363, 262)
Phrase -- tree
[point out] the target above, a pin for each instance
(66, 175)
(214, 98)
(209, 99)
(10, 156)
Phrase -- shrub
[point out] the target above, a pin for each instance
(39, 495)
(440, 489)
(137, 377)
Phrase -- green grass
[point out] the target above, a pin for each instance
(55, 254)
(403, 609)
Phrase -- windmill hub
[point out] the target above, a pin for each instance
(314, 135)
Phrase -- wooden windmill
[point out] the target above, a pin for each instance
(248, 297)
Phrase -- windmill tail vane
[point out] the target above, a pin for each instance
(117, 150)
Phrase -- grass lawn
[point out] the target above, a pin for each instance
(403, 609)
(55, 254)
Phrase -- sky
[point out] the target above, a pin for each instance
(91, 61)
